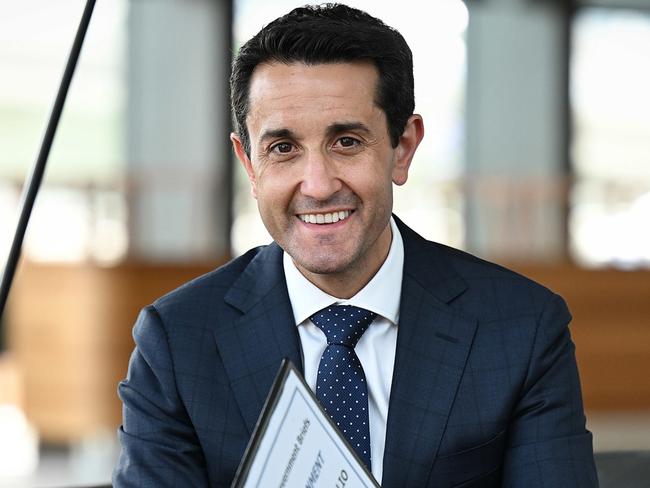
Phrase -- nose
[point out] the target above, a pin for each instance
(319, 179)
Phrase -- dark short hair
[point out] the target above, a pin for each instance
(330, 33)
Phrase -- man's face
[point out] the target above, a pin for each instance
(321, 165)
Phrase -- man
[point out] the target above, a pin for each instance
(467, 370)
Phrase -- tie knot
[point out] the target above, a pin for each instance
(343, 324)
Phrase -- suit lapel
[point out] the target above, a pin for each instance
(433, 344)
(432, 348)
(258, 333)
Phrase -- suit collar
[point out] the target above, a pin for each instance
(433, 344)
(261, 332)
(425, 263)
(258, 279)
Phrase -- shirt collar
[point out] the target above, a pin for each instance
(381, 295)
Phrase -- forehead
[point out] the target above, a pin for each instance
(281, 93)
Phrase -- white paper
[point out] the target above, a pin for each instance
(301, 448)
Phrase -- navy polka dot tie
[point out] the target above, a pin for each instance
(341, 385)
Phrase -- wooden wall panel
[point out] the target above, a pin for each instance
(70, 335)
(611, 329)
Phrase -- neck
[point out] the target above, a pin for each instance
(347, 283)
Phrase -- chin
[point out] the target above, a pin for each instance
(322, 267)
(324, 264)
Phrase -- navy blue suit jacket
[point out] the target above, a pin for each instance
(485, 389)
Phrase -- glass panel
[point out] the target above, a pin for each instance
(87, 158)
(610, 75)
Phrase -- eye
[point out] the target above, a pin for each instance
(282, 148)
(348, 142)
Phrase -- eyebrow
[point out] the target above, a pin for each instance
(346, 126)
(331, 130)
(277, 134)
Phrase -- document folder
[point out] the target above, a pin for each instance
(296, 444)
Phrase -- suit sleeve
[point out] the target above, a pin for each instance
(159, 444)
(548, 444)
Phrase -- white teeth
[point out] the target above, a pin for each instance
(327, 218)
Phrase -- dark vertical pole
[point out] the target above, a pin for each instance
(229, 163)
(33, 183)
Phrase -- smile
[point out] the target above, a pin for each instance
(325, 218)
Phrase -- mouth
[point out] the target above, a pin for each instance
(325, 218)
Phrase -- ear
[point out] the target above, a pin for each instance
(405, 150)
(245, 161)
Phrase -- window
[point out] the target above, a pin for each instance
(80, 213)
(610, 101)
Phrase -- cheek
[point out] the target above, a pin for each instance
(373, 182)
(274, 195)
(383, 192)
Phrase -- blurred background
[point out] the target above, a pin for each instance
(536, 155)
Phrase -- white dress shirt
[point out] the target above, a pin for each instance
(375, 349)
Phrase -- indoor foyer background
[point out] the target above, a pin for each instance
(536, 155)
